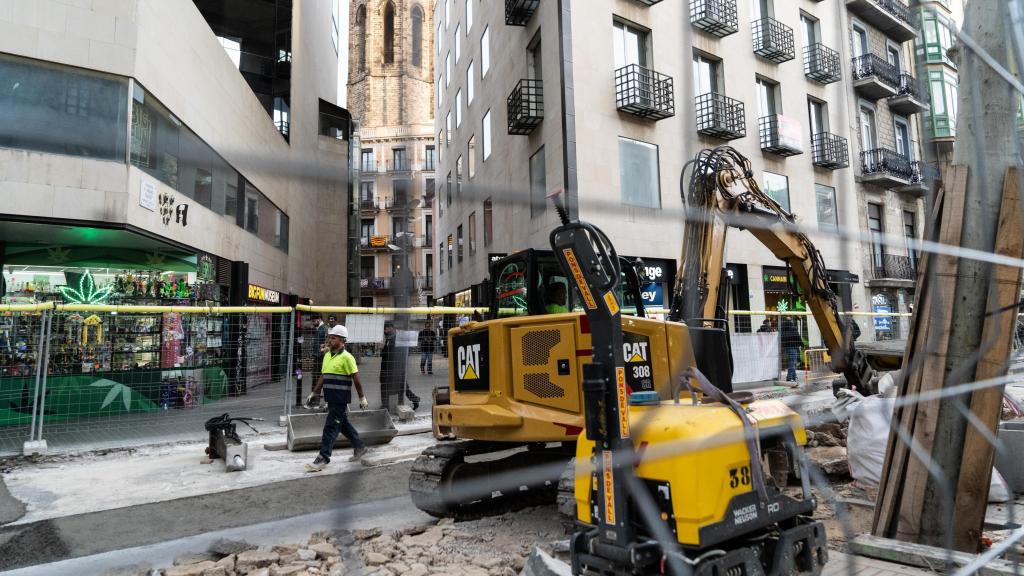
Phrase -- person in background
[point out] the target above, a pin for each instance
(425, 341)
(321, 334)
(339, 374)
(791, 343)
(392, 370)
(766, 326)
(555, 295)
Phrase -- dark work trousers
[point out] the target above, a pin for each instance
(337, 421)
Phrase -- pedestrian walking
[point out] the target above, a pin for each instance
(425, 341)
(338, 374)
(791, 343)
(392, 370)
(766, 326)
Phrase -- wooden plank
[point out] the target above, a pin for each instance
(883, 522)
(996, 342)
(935, 346)
(928, 557)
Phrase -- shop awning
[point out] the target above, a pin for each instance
(74, 246)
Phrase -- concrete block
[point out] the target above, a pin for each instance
(24, 198)
(73, 202)
(374, 427)
(1009, 463)
(34, 447)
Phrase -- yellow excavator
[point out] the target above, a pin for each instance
(515, 399)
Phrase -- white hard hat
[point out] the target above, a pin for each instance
(339, 330)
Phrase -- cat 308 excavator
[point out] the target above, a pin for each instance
(516, 398)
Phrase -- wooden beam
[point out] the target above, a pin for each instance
(929, 557)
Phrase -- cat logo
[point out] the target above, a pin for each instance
(634, 352)
(468, 362)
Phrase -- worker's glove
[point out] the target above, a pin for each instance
(364, 403)
(312, 401)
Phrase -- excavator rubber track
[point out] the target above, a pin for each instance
(444, 484)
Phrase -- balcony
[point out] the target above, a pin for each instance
(644, 93)
(910, 97)
(779, 135)
(821, 64)
(892, 17)
(874, 77)
(893, 268)
(830, 151)
(519, 12)
(941, 127)
(921, 177)
(720, 116)
(399, 166)
(886, 168)
(425, 283)
(773, 40)
(716, 17)
(525, 107)
(430, 164)
(375, 285)
(368, 205)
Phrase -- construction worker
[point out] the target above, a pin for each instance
(556, 298)
(338, 373)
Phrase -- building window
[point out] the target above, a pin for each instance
(488, 229)
(776, 186)
(361, 37)
(538, 183)
(910, 235)
(469, 84)
(437, 39)
(417, 36)
(638, 173)
(448, 190)
(458, 233)
(629, 45)
(817, 116)
(61, 110)
(399, 159)
(828, 219)
(761, 9)
(450, 248)
(535, 59)
(766, 97)
(448, 129)
(469, 16)
(447, 14)
(472, 156)
(366, 164)
(458, 43)
(901, 134)
(366, 227)
(440, 257)
(892, 54)
(860, 41)
(472, 233)
(389, 33)
(429, 230)
(705, 75)
(428, 186)
(458, 176)
(868, 134)
(366, 193)
(447, 69)
(430, 158)
(429, 267)
(458, 109)
(809, 28)
(487, 135)
(334, 25)
(485, 52)
(875, 227)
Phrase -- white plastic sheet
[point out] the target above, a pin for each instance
(755, 357)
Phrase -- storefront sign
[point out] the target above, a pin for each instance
(653, 294)
(147, 195)
(776, 279)
(261, 294)
(168, 210)
(205, 270)
(495, 257)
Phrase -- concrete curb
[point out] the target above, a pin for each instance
(541, 564)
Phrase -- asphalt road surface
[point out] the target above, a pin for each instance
(87, 534)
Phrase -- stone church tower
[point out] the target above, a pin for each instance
(391, 62)
(391, 96)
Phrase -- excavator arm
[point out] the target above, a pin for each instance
(722, 192)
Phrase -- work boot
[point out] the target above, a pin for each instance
(415, 404)
(319, 464)
(358, 453)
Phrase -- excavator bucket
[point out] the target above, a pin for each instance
(375, 427)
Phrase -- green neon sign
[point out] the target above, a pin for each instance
(87, 292)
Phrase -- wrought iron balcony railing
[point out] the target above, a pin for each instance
(773, 40)
(519, 12)
(720, 116)
(821, 64)
(888, 167)
(525, 106)
(717, 17)
(911, 97)
(874, 76)
(773, 140)
(830, 151)
(399, 165)
(894, 268)
(368, 204)
(644, 92)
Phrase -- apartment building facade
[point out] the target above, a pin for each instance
(144, 138)
(610, 98)
(391, 94)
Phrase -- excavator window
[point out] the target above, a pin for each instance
(511, 289)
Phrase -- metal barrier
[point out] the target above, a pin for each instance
(817, 365)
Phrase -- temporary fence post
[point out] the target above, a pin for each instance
(45, 374)
(35, 390)
(289, 382)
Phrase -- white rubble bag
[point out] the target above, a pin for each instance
(868, 438)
